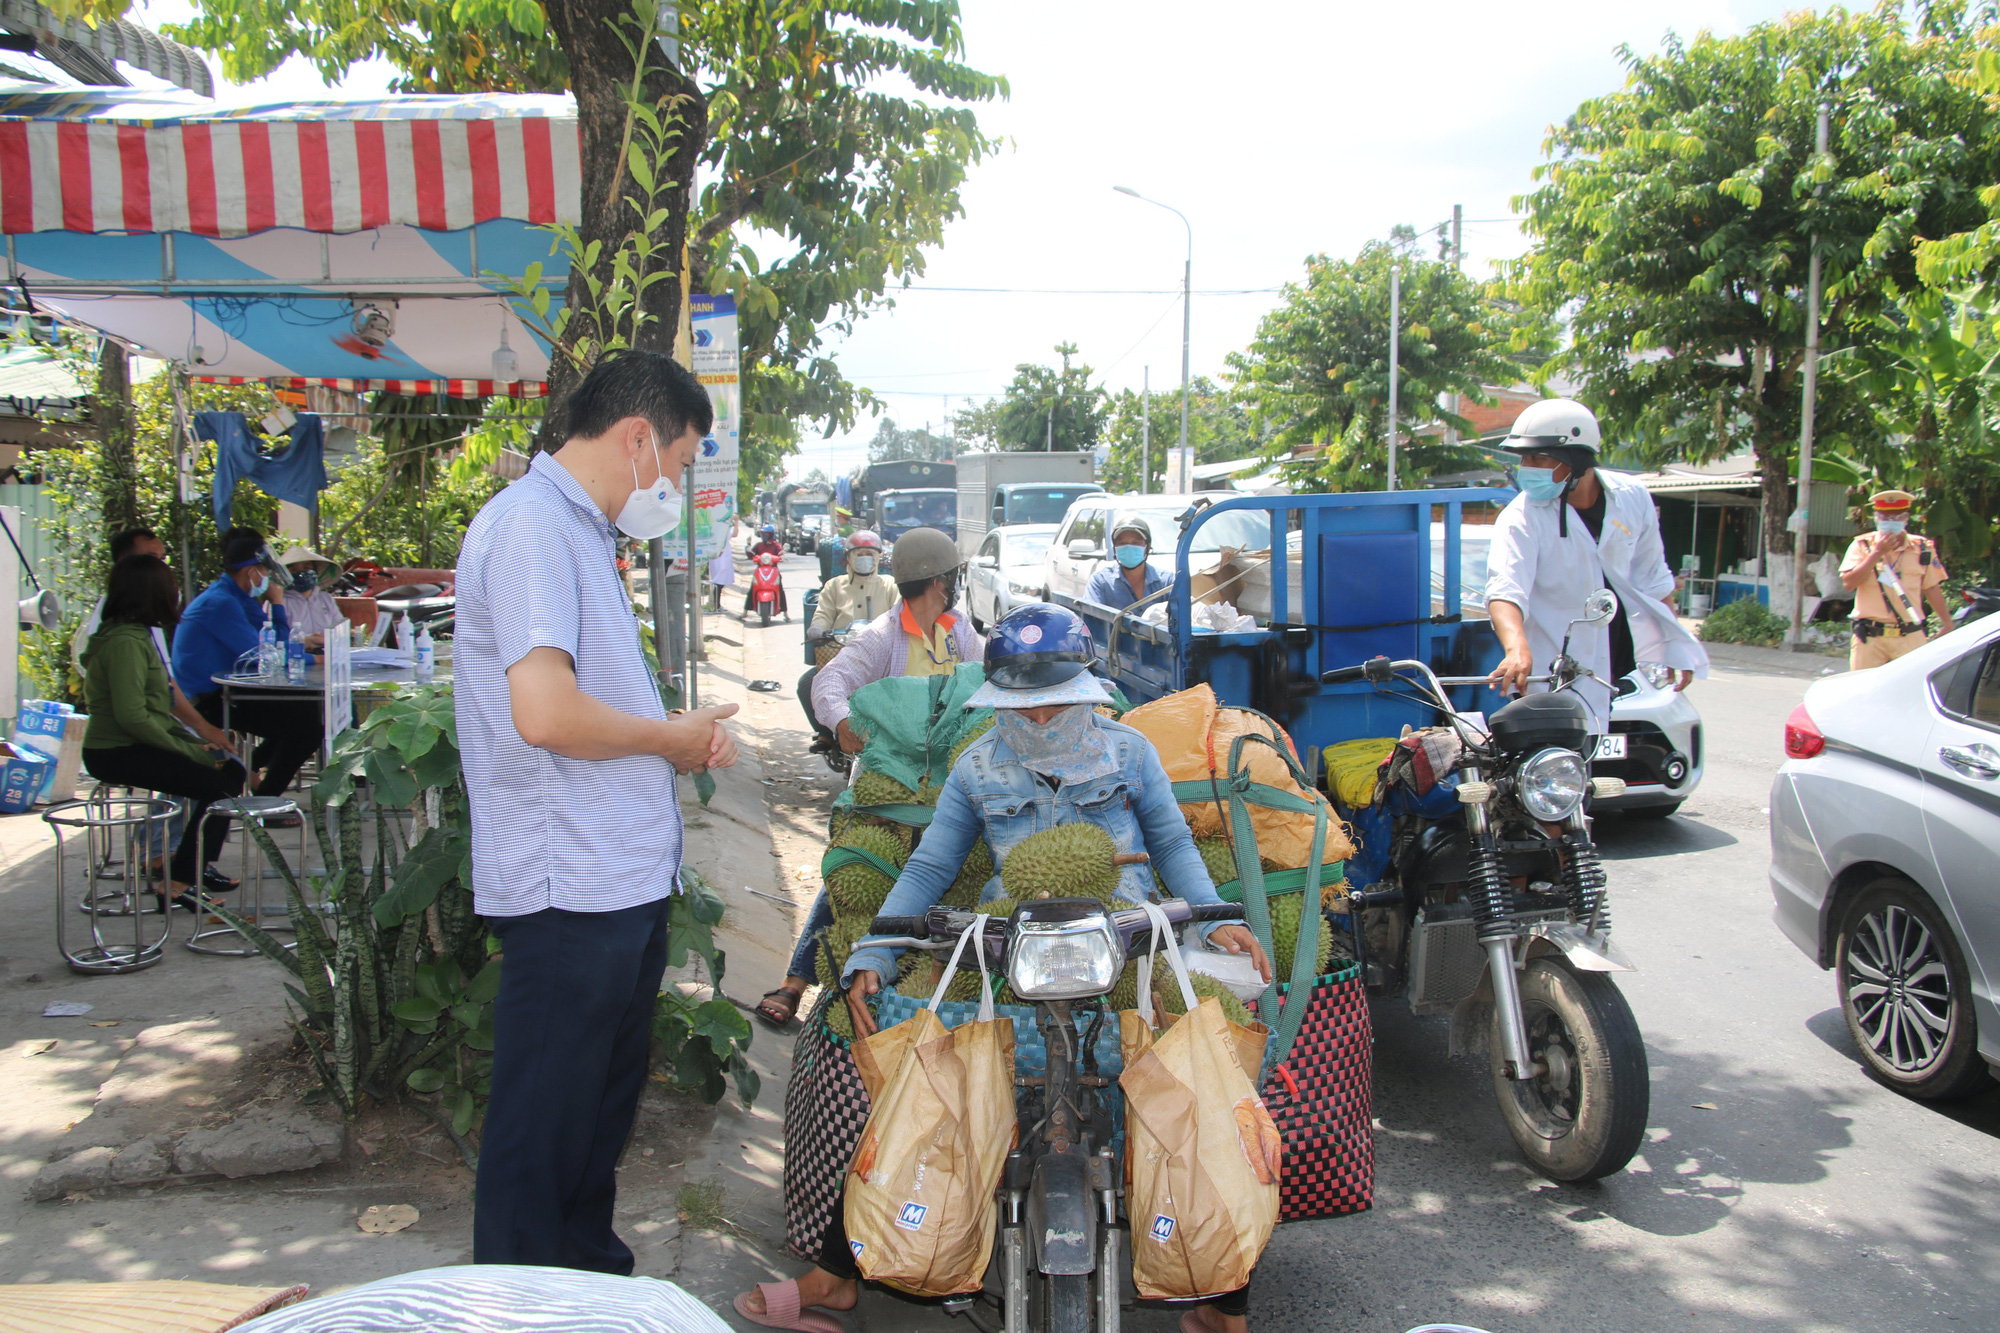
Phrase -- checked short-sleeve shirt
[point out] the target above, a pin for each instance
(538, 569)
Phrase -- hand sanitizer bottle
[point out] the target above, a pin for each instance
(426, 655)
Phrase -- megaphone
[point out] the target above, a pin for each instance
(43, 609)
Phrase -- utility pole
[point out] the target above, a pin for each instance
(1187, 300)
(1145, 428)
(1395, 353)
(1458, 237)
(1802, 516)
(1050, 446)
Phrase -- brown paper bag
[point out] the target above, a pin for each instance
(1202, 1156)
(920, 1207)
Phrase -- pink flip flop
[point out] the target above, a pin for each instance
(781, 1310)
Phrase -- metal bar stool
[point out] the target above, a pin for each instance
(104, 861)
(249, 809)
(133, 821)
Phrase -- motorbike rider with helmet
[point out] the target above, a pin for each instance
(858, 596)
(918, 636)
(1573, 529)
(1131, 578)
(767, 544)
(1050, 746)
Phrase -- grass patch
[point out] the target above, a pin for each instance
(700, 1203)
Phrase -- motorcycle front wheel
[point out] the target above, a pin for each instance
(1065, 1303)
(1583, 1115)
(764, 611)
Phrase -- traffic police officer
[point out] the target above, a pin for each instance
(1892, 573)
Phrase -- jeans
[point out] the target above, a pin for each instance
(571, 1028)
(817, 920)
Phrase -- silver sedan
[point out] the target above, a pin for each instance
(1885, 833)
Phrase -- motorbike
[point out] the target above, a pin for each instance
(1057, 1259)
(819, 652)
(1498, 912)
(765, 588)
(1980, 601)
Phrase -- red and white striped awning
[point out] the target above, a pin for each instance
(408, 388)
(82, 162)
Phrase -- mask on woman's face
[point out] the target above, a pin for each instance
(261, 586)
(863, 564)
(1889, 527)
(1539, 483)
(305, 580)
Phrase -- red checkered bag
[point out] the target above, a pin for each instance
(1321, 1096)
(826, 1108)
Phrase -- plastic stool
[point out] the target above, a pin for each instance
(249, 809)
(132, 821)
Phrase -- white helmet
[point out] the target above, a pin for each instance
(1553, 423)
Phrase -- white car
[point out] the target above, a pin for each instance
(1080, 548)
(1007, 571)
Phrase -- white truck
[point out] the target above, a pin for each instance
(998, 489)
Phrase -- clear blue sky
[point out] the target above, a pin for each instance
(1290, 127)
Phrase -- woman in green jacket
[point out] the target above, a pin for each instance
(134, 739)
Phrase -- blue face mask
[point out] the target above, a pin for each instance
(1131, 557)
(261, 586)
(1539, 483)
(1890, 526)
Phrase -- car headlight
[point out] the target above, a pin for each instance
(1550, 785)
(1063, 951)
(1657, 676)
(1023, 589)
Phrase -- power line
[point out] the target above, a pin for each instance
(1094, 291)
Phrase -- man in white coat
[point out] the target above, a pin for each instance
(1573, 529)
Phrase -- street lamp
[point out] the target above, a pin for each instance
(1187, 300)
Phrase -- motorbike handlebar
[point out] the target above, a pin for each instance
(1218, 912)
(898, 925)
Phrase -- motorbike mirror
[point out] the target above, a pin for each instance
(1600, 607)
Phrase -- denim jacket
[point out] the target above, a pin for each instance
(990, 792)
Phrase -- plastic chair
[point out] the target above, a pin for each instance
(132, 822)
(257, 810)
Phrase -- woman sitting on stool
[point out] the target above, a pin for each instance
(133, 739)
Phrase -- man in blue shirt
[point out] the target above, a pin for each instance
(570, 762)
(1130, 577)
(218, 627)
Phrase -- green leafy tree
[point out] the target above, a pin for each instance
(840, 129)
(1219, 429)
(1674, 221)
(893, 444)
(1316, 376)
(1042, 404)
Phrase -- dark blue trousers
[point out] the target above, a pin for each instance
(571, 1028)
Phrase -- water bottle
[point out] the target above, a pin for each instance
(404, 640)
(427, 655)
(270, 657)
(297, 660)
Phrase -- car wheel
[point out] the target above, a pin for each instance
(1905, 993)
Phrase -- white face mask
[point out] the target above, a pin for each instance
(863, 564)
(650, 511)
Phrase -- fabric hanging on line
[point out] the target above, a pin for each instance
(296, 472)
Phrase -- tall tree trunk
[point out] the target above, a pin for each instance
(600, 77)
(117, 460)
(1774, 482)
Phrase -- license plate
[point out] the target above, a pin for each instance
(1610, 747)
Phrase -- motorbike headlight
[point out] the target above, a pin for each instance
(1064, 951)
(1657, 676)
(1550, 785)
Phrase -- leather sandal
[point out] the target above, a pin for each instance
(779, 1007)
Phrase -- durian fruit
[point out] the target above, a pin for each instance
(972, 877)
(1067, 861)
(1215, 854)
(1204, 987)
(858, 886)
(1285, 920)
(880, 789)
(972, 733)
(1125, 995)
(837, 826)
(839, 1020)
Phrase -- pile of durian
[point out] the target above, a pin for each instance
(1286, 909)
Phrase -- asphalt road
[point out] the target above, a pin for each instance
(1779, 1187)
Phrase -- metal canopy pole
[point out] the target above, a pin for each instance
(1802, 516)
(1395, 355)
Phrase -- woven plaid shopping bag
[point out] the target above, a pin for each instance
(826, 1108)
(1321, 1096)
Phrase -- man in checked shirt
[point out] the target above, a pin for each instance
(570, 761)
